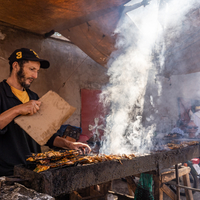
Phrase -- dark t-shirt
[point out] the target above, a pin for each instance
(15, 143)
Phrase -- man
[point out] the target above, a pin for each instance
(195, 117)
(17, 99)
(192, 129)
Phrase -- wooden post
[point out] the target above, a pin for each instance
(157, 186)
(177, 182)
(186, 182)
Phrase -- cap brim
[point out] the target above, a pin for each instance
(43, 63)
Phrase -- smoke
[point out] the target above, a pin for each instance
(173, 19)
(139, 33)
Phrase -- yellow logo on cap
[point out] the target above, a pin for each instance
(19, 55)
(34, 53)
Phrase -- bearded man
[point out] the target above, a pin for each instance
(17, 99)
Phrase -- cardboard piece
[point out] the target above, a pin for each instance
(54, 111)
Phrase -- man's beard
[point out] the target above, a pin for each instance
(22, 79)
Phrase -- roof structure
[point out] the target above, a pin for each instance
(89, 24)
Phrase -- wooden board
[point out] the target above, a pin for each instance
(170, 175)
(54, 111)
(96, 37)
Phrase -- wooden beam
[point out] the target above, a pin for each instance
(75, 196)
(170, 175)
(96, 37)
(121, 196)
(168, 191)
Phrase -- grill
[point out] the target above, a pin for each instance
(65, 180)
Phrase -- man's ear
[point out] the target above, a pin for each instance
(15, 66)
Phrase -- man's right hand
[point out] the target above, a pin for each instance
(29, 108)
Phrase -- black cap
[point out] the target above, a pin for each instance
(27, 54)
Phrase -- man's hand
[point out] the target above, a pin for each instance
(29, 108)
(64, 143)
(85, 149)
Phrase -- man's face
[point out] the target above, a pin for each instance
(27, 73)
(192, 129)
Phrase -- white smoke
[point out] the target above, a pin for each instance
(172, 17)
(138, 33)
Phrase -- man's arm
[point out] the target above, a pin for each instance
(30, 108)
(64, 143)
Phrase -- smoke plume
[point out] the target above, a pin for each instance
(139, 32)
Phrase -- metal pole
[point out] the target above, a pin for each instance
(177, 182)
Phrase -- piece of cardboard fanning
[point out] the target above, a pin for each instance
(53, 112)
